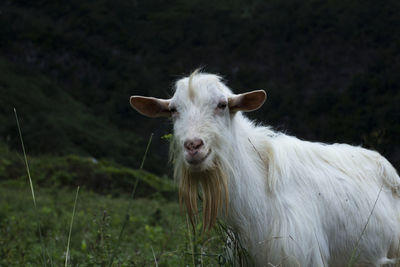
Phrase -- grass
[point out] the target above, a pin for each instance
(44, 251)
(130, 203)
(154, 225)
(157, 232)
(155, 229)
(70, 227)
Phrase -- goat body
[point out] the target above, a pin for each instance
(298, 203)
(291, 202)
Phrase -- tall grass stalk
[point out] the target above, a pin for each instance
(354, 256)
(154, 255)
(130, 203)
(70, 227)
(238, 255)
(44, 250)
(190, 241)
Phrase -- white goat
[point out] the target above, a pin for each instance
(291, 202)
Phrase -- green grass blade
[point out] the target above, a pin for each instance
(70, 227)
(44, 250)
(154, 256)
(190, 241)
(25, 158)
(130, 203)
(147, 149)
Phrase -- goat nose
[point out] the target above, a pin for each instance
(193, 145)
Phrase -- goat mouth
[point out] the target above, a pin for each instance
(196, 160)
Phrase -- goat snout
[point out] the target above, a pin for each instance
(193, 146)
(195, 151)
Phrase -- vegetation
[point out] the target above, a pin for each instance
(154, 224)
(155, 221)
(330, 69)
(100, 176)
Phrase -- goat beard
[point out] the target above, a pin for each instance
(213, 185)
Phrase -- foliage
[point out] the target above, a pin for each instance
(53, 122)
(101, 176)
(330, 69)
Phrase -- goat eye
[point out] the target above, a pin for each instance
(173, 110)
(221, 105)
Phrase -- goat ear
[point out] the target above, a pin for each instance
(248, 101)
(150, 106)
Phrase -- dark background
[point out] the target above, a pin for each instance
(331, 70)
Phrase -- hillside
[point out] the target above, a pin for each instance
(331, 70)
(70, 171)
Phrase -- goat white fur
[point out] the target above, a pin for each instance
(291, 202)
